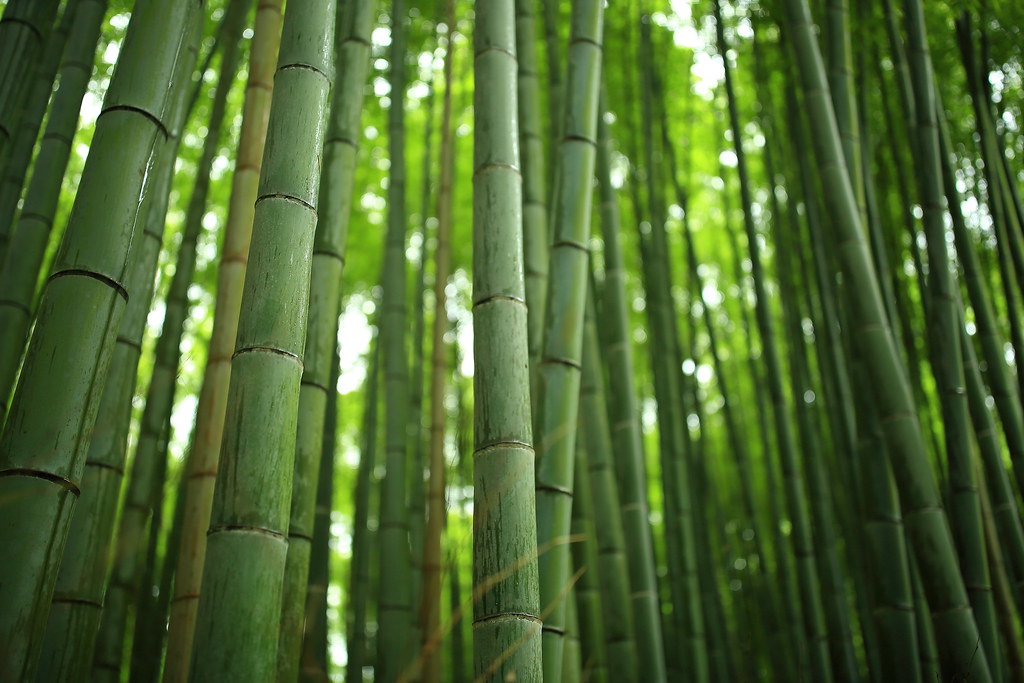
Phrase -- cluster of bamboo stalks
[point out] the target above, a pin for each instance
(814, 473)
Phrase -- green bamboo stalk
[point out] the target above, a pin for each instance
(837, 394)
(202, 465)
(790, 261)
(738, 443)
(613, 576)
(877, 234)
(24, 29)
(944, 334)
(625, 429)
(336, 182)
(832, 577)
(395, 601)
(1000, 492)
(461, 665)
(458, 646)
(563, 326)
(875, 505)
(314, 660)
(557, 89)
(145, 485)
(155, 597)
(506, 605)
(586, 648)
(47, 433)
(416, 505)
(535, 209)
(926, 522)
(359, 573)
(839, 60)
(240, 604)
(79, 594)
(723, 646)
(896, 285)
(795, 489)
(1008, 623)
(1005, 241)
(419, 438)
(31, 120)
(29, 236)
(791, 616)
(1004, 394)
(686, 651)
(430, 603)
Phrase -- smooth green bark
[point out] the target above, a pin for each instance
(925, 520)
(561, 358)
(506, 605)
(24, 29)
(395, 597)
(80, 593)
(536, 241)
(31, 232)
(359, 573)
(31, 118)
(613, 575)
(624, 416)
(144, 494)
(201, 468)
(336, 183)
(45, 440)
(240, 605)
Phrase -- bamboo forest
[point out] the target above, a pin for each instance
(512, 341)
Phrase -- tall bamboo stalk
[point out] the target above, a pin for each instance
(80, 593)
(31, 119)
(24, 28)
(535, 209)
(625, 429)
(202, 465)
(47, 432)
(506, 605)
(337, 177)
(430, 608)
(314, 659)
(145, 486)
(30, 234)
(944, 333)
(1004, 504)
(586, 652)
(395, 600)
(796, 496)
(924, 517)
(359, 572)
(563, 328)
(240, 603)
(685, 648)
(613, 576)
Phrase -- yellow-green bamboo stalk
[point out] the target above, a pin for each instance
(201, 469)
